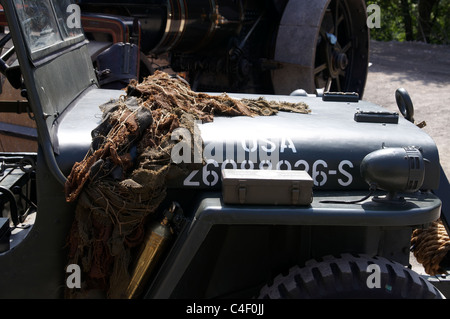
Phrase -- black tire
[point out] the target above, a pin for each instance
(346, 277)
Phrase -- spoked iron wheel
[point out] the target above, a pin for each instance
(334, 48)
(322, 45)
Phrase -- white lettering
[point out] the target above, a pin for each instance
(319, 177)
(181, 151)
(244, 164)
(272, 146)
(247, 148)
(304, 163)
(207, 173)
(203, 309)
(265, 164)
(188, 180)
(74, 279)
(229, 161)
(74, 19)
(213, 151)
(210, 173)
(345, 173)
(290, 145)
(285, 163)
(374, 18)
(374, 279)
(198, 143)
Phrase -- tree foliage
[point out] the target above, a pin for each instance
(413, 20)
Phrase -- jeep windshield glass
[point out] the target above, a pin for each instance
(68, 18)
(48, 25)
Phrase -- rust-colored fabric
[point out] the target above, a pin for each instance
(121, 182)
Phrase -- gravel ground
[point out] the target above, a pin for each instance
(424, 71)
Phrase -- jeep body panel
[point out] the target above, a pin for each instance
(222, 250)
(328, 143)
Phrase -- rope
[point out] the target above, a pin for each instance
(431, 246)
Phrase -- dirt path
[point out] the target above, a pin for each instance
(424, 71)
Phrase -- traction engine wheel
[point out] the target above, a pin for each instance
(322, 45)
(348, 277)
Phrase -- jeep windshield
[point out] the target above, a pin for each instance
(48, 25)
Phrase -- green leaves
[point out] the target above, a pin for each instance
(413, 20)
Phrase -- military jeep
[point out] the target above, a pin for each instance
(314, 205)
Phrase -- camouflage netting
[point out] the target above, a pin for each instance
(122, 179)
(431, 247)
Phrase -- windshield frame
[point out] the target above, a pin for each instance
(51, 26)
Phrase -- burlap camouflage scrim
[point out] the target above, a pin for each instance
(122, 179)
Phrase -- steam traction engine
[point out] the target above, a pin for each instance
(253, 46)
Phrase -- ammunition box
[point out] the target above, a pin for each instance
(266, 187)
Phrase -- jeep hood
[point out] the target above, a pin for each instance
(328, 143)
